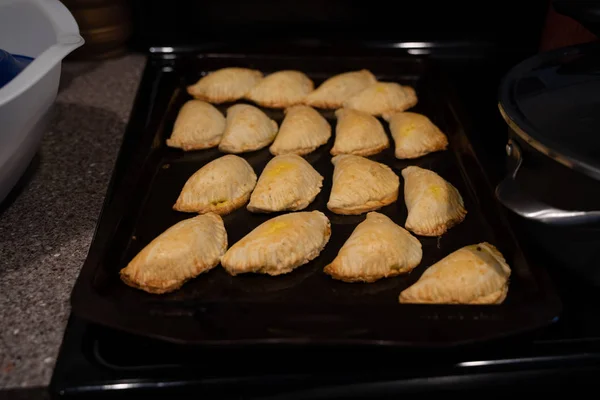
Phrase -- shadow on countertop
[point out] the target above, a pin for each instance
(73, 69)
(21, 184)
(46, 226)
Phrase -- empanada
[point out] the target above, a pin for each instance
(415, 135)
(288, 183)
(383, 98)
(226, 84)
(377, 248)
(247, 129)
(199, 125)
(358, 133)
(220, 186)
(303, 130)
(474, 274)
(361, 185)
(180, 253)
(280, 244)
(334, 91)
(434, 204)
(281, 89)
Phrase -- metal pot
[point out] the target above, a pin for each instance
(551, 103)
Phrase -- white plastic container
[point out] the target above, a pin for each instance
(46, 31)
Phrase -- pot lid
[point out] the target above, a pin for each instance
(552, 101)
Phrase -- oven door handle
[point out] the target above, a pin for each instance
(513, 198)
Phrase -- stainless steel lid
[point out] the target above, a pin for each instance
(552, 101)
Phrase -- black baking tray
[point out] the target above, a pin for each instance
(305, 306)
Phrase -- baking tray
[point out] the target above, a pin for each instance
(305, 306)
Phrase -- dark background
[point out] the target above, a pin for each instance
(512, 30)
(167, 23)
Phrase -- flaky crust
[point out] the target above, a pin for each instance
(281, 89)
(287, 183)
(225, 85)
(182, 252)
(363, 152)
(377, 249)
(434, 205)
(361, 185)
(247, 129)
(383, 98)
(358, 133)
(220, 186)
(474, 274)
(220, 209)
(199, 125)
(415, 135)
(302, 131)
(332, 93)
(368, 206)
(279, 245)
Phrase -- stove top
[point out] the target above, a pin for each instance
(95, 361)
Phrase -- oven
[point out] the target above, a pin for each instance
(549, 337)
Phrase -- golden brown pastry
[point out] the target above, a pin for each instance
(199, 125)
(303, 130)
(383, 98)
(281, 89)
(182, 252)
(361, 185)
(288, 183)
(247, 129)
(415, 135)
(474, 274)
(358, 133)
(226, 84)
(434, 205)
(334, 91)
(279, 245)
(377, 248)
(220, 186)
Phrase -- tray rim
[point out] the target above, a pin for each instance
(142, 107)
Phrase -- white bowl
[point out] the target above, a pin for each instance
(46, 31)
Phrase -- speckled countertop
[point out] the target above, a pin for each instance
(47, 223)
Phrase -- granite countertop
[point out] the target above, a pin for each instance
(47, 223)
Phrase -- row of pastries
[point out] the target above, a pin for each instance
(378, 248)
(359, 90)
(199, 125)
(289, 183)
